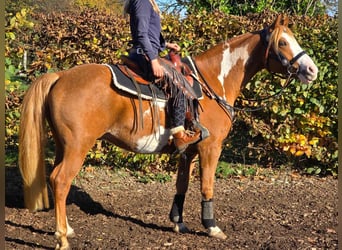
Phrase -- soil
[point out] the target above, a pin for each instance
(111, 210)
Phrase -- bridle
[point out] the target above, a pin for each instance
(291, 70)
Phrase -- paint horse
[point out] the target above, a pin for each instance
(81, 105)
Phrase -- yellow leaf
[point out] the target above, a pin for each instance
(301, 139)
(293, 150)
(314, 141)
(299, 153)
(301, 101)
(308, 152)
(275, 108)
(47, 65)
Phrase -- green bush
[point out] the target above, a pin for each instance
(17, 26)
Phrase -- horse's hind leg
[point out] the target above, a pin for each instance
(61, 179)
(185, 168)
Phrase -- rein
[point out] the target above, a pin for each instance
(267, 98)
(229, 109)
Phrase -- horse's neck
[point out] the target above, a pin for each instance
(228, 66)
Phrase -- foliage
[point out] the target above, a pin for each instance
(89, 38)
(66, 6)
(17, 25)
(109, 6)
(242, 7)
(226, 170)
(299, 128)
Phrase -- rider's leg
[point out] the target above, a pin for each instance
(182, 139)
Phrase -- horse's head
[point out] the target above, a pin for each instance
(284, 55)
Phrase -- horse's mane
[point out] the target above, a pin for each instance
(238, 38)
(273, 39)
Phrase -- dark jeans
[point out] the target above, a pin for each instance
(144, 65)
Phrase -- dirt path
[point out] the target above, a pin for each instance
(112, 211)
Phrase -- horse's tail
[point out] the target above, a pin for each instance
(32, 140)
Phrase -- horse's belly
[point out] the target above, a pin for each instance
(144, 143)
(153, 143)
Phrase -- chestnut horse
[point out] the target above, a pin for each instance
(81, 105)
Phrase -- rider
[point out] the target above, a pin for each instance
(147, 42)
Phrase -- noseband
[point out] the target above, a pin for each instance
(291, 70)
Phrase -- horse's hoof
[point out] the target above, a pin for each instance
(180, 228)
(217, 233)
(71, 234)
(58, 247)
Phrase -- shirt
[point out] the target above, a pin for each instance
(146, 28)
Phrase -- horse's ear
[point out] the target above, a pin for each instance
(286, 21)
(276, 23)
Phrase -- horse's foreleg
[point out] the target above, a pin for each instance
(185, 168)
(61, 179)
(208, 163)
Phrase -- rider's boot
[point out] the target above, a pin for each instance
(182, 138)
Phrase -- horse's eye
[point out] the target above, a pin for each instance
(282, 43)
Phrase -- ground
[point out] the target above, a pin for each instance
(111, 210)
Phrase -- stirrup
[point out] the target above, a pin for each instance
(197, 126)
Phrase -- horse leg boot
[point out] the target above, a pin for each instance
(185, 168)
(208, 220)
(176, 214)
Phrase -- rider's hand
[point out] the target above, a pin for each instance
(158, 70)
(173, 46)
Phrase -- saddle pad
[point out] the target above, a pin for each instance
(148, 92)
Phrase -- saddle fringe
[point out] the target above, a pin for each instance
(173, 83)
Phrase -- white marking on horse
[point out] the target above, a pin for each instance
(295, 48)
(307, 68)
(157, 104)
(153, 143)
(229, 60)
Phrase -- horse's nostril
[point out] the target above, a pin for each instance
(312, 69)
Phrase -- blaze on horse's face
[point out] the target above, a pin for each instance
(289, 55)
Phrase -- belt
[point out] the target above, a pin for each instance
(138, 51)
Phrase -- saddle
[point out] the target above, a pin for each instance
(132, 70)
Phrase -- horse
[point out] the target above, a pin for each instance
(80, 105)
